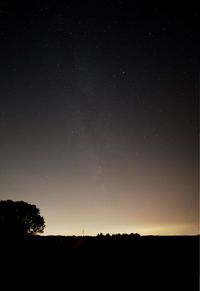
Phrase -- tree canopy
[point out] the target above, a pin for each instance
(19, 218)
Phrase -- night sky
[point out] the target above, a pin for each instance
(99, 115)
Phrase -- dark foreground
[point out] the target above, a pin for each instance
(118, 259)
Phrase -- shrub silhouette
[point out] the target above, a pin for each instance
(19, 219)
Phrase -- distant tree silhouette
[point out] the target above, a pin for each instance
(19, 219)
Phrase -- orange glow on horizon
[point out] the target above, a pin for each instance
(142, 230)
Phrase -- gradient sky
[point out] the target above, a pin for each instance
(99, 115)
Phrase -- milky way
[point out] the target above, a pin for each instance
(99, 116)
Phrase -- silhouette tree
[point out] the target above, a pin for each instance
(18, 218)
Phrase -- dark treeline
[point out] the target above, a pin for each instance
(114, 241)
(176, 245)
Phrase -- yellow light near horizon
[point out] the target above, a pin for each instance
(176, 229)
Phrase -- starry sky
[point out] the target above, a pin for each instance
(99, 115)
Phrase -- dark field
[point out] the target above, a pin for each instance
(178, 246)
(173, 260)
